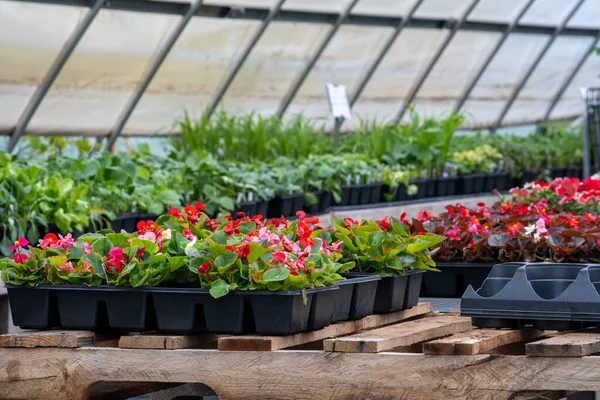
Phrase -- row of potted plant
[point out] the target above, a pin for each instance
(194, 260)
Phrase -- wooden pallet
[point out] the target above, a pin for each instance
(416, 330)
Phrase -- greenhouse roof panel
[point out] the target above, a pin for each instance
(229, 48)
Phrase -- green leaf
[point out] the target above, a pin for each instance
(169, 198)
(149, 245)
(227, 203)
(277, 274)
(57, 261)
(102, 246)
(95, 261)
(176, 262)
(76, 252)
(256, 251)
(118, 239)
(375, 238)
(225, 260)
(219, 288)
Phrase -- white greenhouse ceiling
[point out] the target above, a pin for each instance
(132, 67)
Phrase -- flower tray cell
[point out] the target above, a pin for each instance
(454, 278)
(365, 193)
(325, 201)
(451, 181)
(545, 295)
(284, 205)
(33, 307)
(441, 187)
(376, 189)
(470, 184)
(104, 307)
(422, 188)
(391, 291)
(321, 309)
(496, 180)
(431, 188)
(193, 310)
(356, 297)
(262, 207)
(248, 208)
(413, 288)
(280, 313)
(126, 222)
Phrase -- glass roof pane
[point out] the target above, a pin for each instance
(335, 6)
(344, 62)
(104, 69)
(455, 69)
(572, 103)
(535, 98)
(587, 16)
(496, 11)
(240, 3)
(501, 77)
(276, 60)
(28, 46)
(191, 73)
(382, 97)
(385, 8)
(443, 9)
(548, 12)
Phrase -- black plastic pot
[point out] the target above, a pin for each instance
(471, 184)
(127, 222)
(454, 278)
(502, 181)
(441, 187)
(422, 188)
(262, 207)
(249, 208)
(147, 217)
(326, 200)
(285, 205)
(365, 193)
(356, 297)
(104, 307)
(452, 181)
(413, 288)
(190, 310)
(575, 172)
(376, 189)
(33, 307)
(323, 203)
(530, 176)
(321, 309)
(545, 295)
(558, 172)
(391, 291)
(280, 313)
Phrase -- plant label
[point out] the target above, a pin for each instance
(338, 101)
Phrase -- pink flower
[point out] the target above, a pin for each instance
(451, 233)
(19, 258)
(86, 267)
(116, 259)
(68, 266)
(66, 242)
(324, 248)
(540, 226)
(87, 248)
(20, 242)
(151, 236)
(335, 247)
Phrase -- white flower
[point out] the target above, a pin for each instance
(529, 229)
(190, 250)
(166, 234)
(537, 237)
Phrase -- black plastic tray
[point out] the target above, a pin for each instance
(454, 279)
(355, 298)
(399, 292)
(545, 295)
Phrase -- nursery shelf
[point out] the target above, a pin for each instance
(430, 355)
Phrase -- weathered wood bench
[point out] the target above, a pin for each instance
(413, 354)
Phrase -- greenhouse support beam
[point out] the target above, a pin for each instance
(155, 65)
(373, 67)
(423, 77)
(289, 96)
(52, 74)
(242, 59)
(559, 94)
(491, 55)
(534, 65)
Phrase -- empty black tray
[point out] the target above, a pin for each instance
(545, 295)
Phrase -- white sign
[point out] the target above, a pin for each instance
(338, 101)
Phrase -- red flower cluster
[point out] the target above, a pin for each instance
(148, 226)
(116, 259)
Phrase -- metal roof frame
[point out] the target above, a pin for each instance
(275, 13)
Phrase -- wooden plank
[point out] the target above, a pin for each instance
(479, 341)
(398, 335)
(574, 344)
(65, 339)
(61, 374)
(271, 343)
(164, 342)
